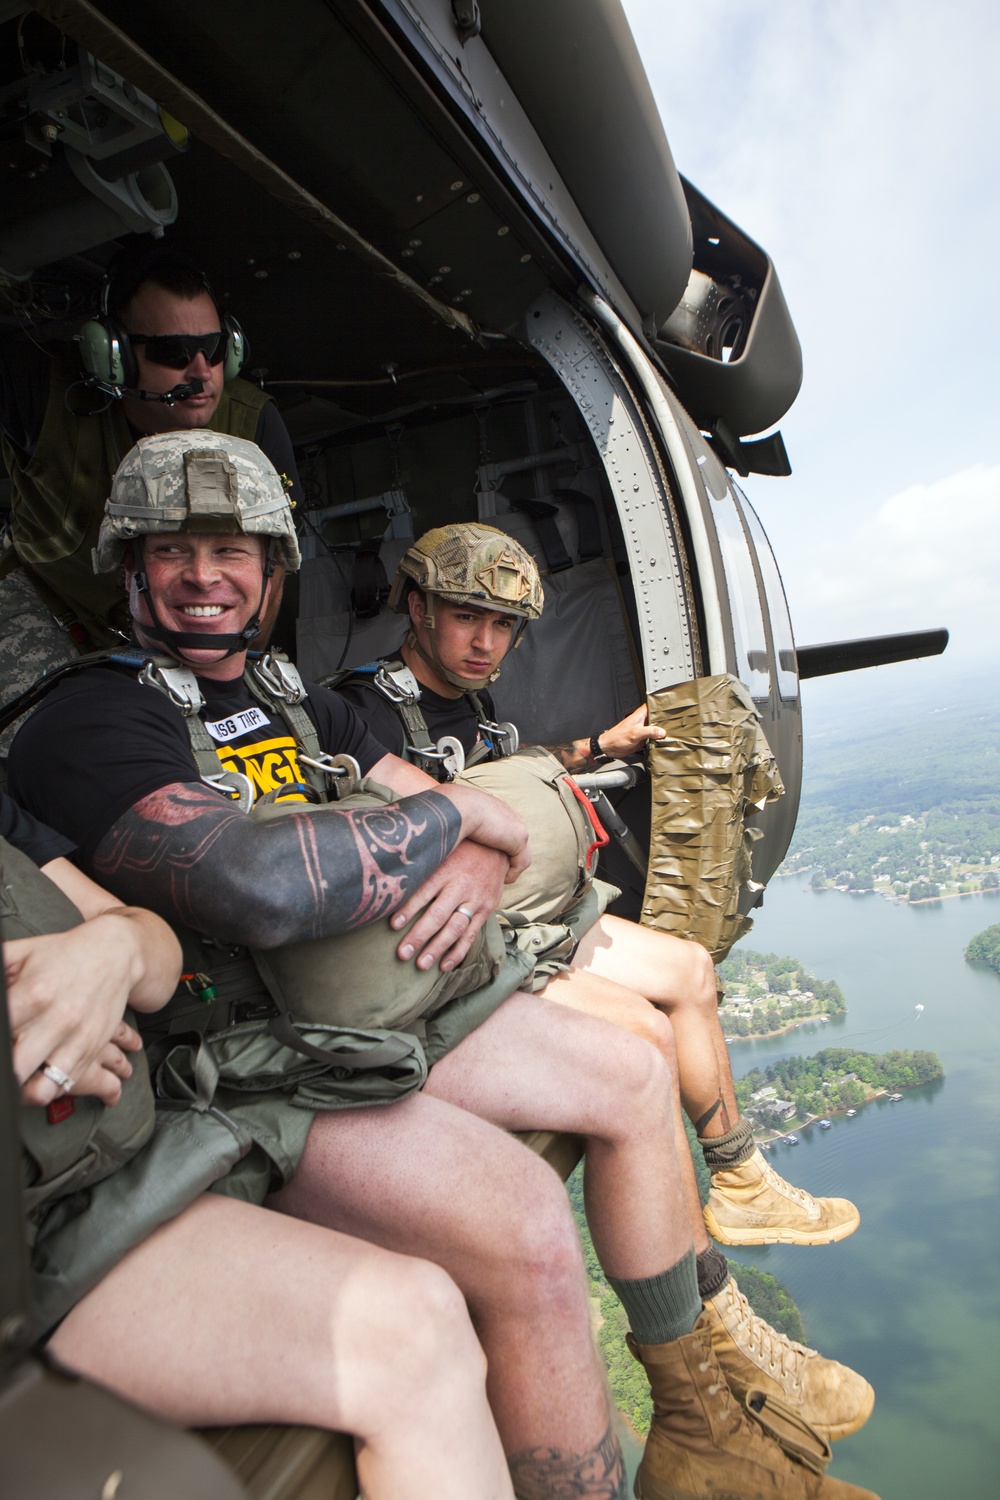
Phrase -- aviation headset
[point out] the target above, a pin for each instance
(105, 347)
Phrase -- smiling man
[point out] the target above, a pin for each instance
(198, 521)
(64, 433)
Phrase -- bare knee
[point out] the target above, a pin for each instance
(541, 1247)
(656, 1029)
(429, 1339)
(699, 987)
(640, 1081)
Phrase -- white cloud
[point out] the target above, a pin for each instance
(928, 556)
(856, 142)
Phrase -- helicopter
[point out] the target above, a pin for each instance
(477, 287)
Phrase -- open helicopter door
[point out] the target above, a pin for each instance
(688, 536)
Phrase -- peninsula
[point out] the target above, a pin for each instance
(766, 995)
(798, 1090)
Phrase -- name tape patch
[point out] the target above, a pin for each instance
(241, 723)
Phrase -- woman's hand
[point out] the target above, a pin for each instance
(66, 993)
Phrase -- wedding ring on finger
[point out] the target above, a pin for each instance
(57, 1076)
(466, 913)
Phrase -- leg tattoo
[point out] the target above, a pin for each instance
(718, 1109)
(554, 1474)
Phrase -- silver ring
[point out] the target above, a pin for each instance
(57, 1076)
(466, 913)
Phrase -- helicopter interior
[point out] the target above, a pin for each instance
(399, 421)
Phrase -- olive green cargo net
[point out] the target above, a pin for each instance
(713, 770)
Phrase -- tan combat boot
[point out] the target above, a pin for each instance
(752, 1205)
(754, 1356)
(700, 1444)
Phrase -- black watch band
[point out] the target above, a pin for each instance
(597, 755)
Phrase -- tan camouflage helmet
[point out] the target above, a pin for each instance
(470, 563)
(195, 480)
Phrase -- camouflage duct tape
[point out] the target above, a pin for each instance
(712, 771)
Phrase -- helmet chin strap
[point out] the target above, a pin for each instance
(433, 660)
(203, 640)
(437, 666)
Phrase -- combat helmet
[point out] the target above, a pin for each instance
(467, 563)
(196, 481)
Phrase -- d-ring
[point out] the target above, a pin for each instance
(57, 1076)
(466, 913)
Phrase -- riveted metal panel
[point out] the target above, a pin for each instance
(597, 385)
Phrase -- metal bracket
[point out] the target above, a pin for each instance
(279, 678)
(503, 739)
(399, 686)
(237, 787)
(467, 19)
(343, 771)
(178, 683)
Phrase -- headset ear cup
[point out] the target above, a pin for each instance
(106, 353)
(95, 350)
(122, 357)
(236, 348)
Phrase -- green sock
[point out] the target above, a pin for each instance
(664, 1307)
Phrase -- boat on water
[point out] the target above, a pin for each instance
(823, 1020)
(851, 1113)
(791, 1140)
(824, 1124)
(895, 1098)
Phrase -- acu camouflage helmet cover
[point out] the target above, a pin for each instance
(469, 563)
(195, 481)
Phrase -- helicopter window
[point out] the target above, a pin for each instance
(749, 635)
(781, 625)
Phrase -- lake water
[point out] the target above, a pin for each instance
(912, 1299)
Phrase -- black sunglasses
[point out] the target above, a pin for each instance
(175, 351)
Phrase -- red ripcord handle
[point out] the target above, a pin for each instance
(601, 835)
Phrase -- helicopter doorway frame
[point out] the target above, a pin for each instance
(643, 499)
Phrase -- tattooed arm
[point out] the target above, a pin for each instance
(192, 856)
(623, 739)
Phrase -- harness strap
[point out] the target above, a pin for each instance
(588, 526)
(544, 513)
(396, 685)
(276, 683)
(116, 655)
(386, 1054)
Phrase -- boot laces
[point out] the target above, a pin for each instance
(759, 1339)
(797, 1195)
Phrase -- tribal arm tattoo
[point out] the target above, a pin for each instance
(554, 1474)
(313, 873)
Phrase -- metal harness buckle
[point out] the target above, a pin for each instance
(399, 686)
(448, 755)
(503, 739)
(235, 785)
(178, 683)
(279, 678)
(343, 771)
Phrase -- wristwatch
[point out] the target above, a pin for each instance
(597, 755)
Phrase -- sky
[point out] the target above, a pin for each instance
(857, 142)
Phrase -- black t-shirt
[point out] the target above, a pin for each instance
(442, 715)
(24, 396)
(30, 836)
(101, 741)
